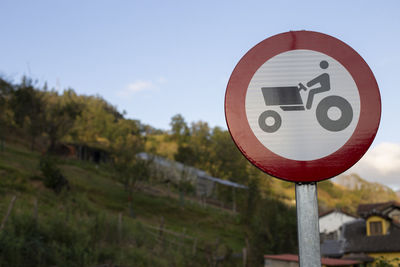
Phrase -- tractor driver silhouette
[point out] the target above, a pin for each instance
(324, 82)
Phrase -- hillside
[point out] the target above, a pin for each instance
(337, 193)
(100, 203)
(344, 192)
(96, 213)
(74, 193)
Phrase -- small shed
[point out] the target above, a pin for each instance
(82, 152)
(175, 171)
(91, 153)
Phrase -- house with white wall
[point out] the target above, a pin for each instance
(331, 221)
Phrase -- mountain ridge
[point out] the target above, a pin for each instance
(354, 182)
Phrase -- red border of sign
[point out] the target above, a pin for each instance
(292, 170)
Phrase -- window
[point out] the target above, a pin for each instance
(375, 228)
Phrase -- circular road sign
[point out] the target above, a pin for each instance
(302, 106)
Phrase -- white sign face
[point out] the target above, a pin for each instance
(302, 105)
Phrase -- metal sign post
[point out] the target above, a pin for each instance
(307, 225)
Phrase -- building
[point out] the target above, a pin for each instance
(389, 209)
(174, 171)
(291, 260)
(83, 152)
(331, 221)
(375, 235)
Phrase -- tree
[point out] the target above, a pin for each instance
(200, 143)
(185, 155)
(60, 115)
(193, 143)
(227, 160)
(179, 129)
(94, 123)
(272, 230)
(6, 90)
(129, 168)
(28, 106)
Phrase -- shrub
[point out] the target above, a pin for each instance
(27, 242)
(53, 178)
(382, 262)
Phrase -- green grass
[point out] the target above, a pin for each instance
(95, 200)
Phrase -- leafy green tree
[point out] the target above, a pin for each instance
(6, 90)
(200, 143)
(129, 168)
(28, 106)
(60, 115)
(179, 129)
(272, 230)
(22, 100)
(253, 197)
(185, 155)
(94, 123)
(227, 161)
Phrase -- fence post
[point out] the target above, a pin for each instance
(35, 209)
(160, 233)
(120, 227)
(244, 252)
(247, 249)
(183, 237)
(215, 255)
(233, 199)
(194, 249)
(10, 207)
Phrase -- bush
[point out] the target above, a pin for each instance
(26, 242)
(382, 262)
(53, 178)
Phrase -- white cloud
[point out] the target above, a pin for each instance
(140, 86)
(380, 164)
(385, 158)
(135, 87)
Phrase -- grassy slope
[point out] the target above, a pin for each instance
(93, 191)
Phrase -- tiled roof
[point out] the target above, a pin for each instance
(324, 261)
(322, 214)
(358, 257)
(366, 209)
(332, 248)
(357, 240)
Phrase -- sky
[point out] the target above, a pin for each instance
(155, 59)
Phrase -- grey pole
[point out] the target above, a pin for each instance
(308, 225)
